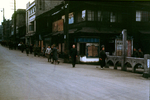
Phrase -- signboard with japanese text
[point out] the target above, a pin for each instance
(57, 26)
(92, 50)
(119, 46)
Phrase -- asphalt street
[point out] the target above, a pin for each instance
(25, 77)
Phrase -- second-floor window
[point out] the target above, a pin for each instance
(31, 28)
(99, 16)
(90, 15)
(83, 15)
(142, 16)
(112, 17)
(32, 10)
(71, 18)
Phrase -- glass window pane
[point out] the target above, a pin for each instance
(83, 15)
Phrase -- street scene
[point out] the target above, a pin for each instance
(25, 77)
(74, 50)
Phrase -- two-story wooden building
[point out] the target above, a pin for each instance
(90, 24)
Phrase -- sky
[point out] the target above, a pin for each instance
(8, 6)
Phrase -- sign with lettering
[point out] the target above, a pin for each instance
(119, 47)
(57, 26)
(92, 50)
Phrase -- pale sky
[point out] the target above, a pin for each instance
(8, 6)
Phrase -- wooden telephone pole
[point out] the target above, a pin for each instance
(15, 23)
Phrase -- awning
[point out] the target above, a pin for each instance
(88, 30)
(95, 30)
(145, 31)
(57, 33)
(22, 38)
(72, 30)
(30, 34)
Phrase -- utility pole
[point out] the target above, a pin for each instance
(15, 23)
(124, 50)
(3, 25)
(66, 36)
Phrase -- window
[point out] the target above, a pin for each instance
(35, 9)
(63, 17)
(90, 15)
(138, 15)
(83, 15)
(79, 17)
(112, 17)
(31, 28)
(105, 16)
(99, 16)
(71, 18)
(142, 16)
(145, 16)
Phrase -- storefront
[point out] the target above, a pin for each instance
(88, 49)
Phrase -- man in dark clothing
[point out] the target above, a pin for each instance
(38, 50)
(73, 55)
(27, 49)
(140, 54)
(102, 57)
(22, 47)
(55, 56)
(35, 50)
(135, 53)
(31, 49)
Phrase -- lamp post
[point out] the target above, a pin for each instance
(124, 54)
(66, 36)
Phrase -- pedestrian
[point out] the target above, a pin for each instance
(140, 54)
(135, 53)
(43, 50)
(31, 48)
(38, 50)
(27, 49)
(35, 50)
(22, 47)
(52, 54)
(102, 57)
(19, 45)
(48, 52)
(55, 56)
(73, 55)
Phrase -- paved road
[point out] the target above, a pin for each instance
(33, 78)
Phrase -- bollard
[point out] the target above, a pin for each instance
(146, 73)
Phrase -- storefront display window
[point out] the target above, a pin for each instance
(92, 50)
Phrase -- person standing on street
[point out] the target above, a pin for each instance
(27, 49)
(38, 50)
(31, 48)
(43, 50)
(22, 47)
(73, 55)
(35, 50)
(102, 57)
(140, 54)
(135, 53)
(19, 45)
(55, 56)
(48, 51)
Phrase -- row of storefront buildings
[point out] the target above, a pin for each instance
(87, 24)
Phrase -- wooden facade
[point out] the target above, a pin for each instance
(97, 20)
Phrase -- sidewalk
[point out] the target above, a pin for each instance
(139, 71)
